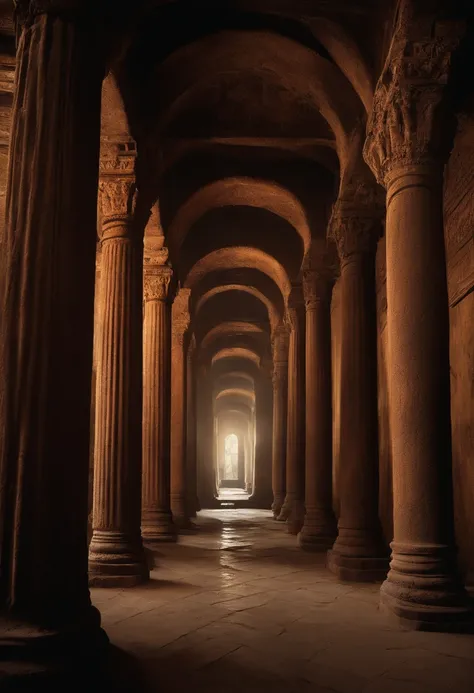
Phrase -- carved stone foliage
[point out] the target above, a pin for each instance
(156, 283)
(317, 286)
(408, 124)
(117, 198)
(355, 234)
(280, 339)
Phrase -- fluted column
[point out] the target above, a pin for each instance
(359, 552)
(319, 529)
(47, 303)
(423, 588)
(280, 408)
(293, 507)
(116, 555)
(180, 324)
(157, 523)
(191, 433)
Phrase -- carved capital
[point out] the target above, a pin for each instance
(317, 287)
(408, 125)
(355, 235)
(156, 283)
(117, 198)
(280, 339)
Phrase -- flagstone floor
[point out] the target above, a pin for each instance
(237, 607)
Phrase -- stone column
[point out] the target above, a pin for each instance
(358, 553)
(262, 492)
(191, 434)
(319, 529)
(157, 523)
(293, 507)
(250, 465)
(180, 324)
(116, 555)
(47, 303)
(423, 588)
(205, 439)
(280, 408)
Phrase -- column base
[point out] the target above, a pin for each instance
(32, 656)
(277, 505)
(158, 528)
(185, 525)
(285, 510)
(116, 560)
(358, 556)
(319, 531)
(295, 519)
(424, 592)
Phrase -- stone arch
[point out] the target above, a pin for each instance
(295, 68)
(240, 257)
(273, 314)
(237, 353)
(238, 191)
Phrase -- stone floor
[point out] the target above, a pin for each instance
(238, 607)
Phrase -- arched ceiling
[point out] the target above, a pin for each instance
(236, 357)
(242, 258)
(239, 191)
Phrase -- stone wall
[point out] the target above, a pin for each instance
(459, 228)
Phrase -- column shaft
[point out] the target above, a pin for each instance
(191, 435)
(48, 267)
(280, 415)
(358, 553)
(116, 555)
(423, 587)
(319, 529)
(157, 524)
(262, 490)
(293, 507)
(180, 323)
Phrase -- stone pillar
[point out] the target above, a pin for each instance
(157, 523)
(262, 491)
(423, 588)
(280, 408)
(191, 434)
(319, 529)
(293, 507)
(205, 424)
(180, 324)
(47, 275)
(358, 553)
(250, 463)
(116, 555)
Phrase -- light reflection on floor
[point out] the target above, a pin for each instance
(237, 606)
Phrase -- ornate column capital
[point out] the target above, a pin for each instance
(280, 342)
(408, 124)
(117, 189)
(356, 223)
(317, 286)
(156, 283)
